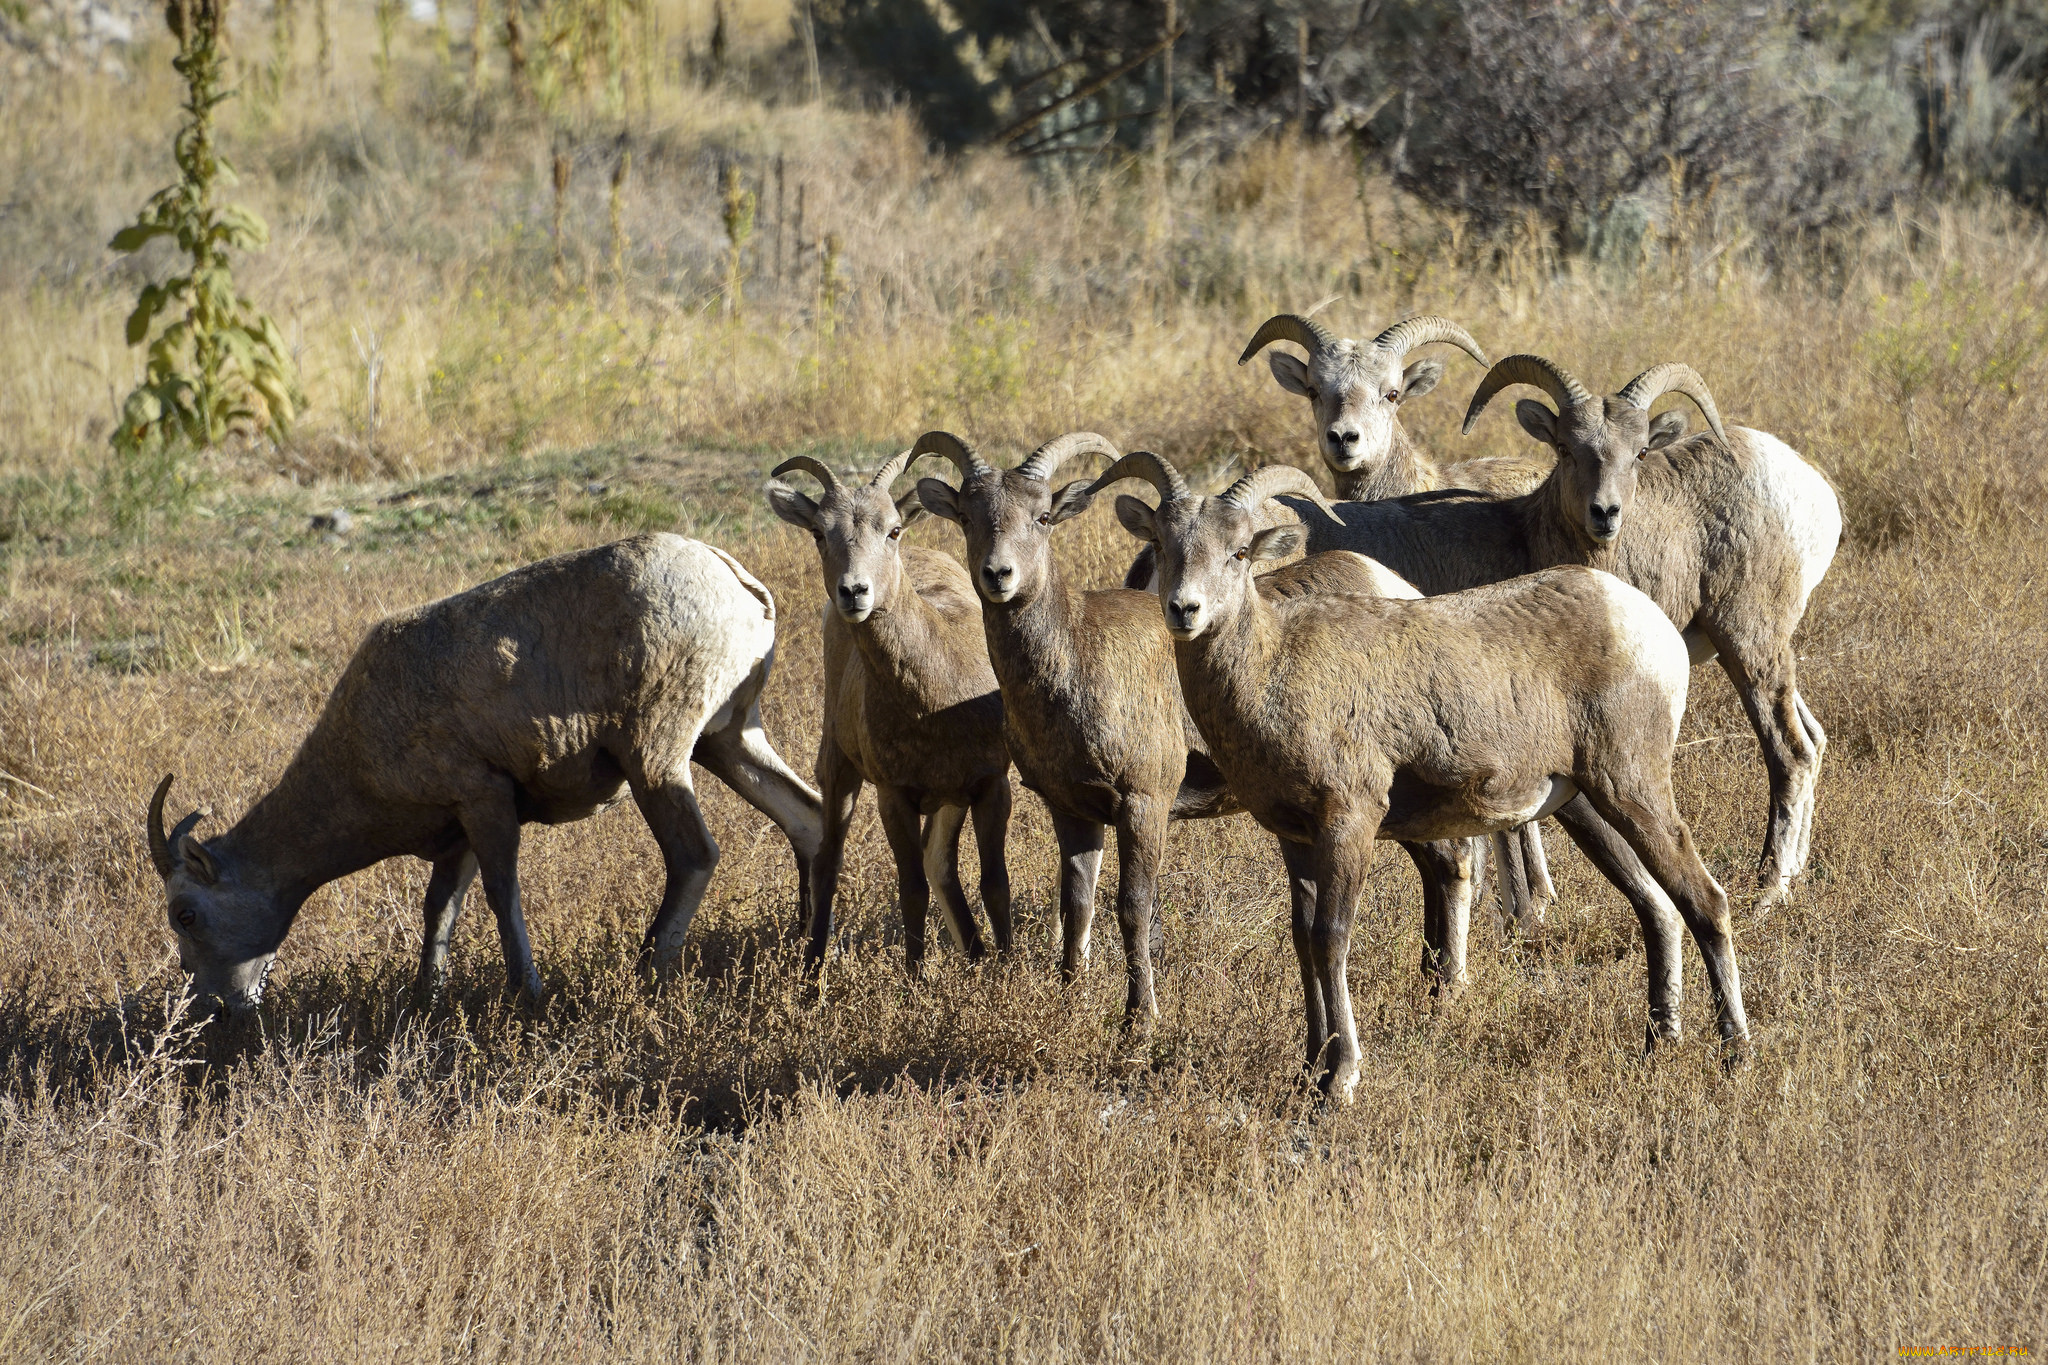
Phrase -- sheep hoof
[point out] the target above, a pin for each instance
(1736, 1055)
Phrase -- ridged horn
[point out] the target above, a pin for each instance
(1412, 333)
(889, 472)
(1270, 481)
(1143, 464)
(1292, 327)
(815, 468)
(1647, 387)
(1044, 462)
(1546, 375)
(159, 842)
(962, 455)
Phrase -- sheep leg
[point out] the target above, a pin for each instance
(913, 893)
(446, 887)
(1765, 680)
(840, 783)
(1511, 885)
(1080, 844)
(1301, 878)
(492, 825)
(991, 835)
(1643, 813)
(688, 856)
(942, 870)
(1448, 869)
(1343, 855)
(1662, 928)
(1536, 872)
(1140, 844)
(741, 757)
(1818, 739)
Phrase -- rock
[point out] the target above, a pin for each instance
(596, 490)
(338, 521)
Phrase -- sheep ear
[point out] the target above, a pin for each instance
(1136, 517)
(909, 507)
(1072, 500)
(1275, 542)
(793, 507)
(940, 498)
(1291, 371)
(1537, 420)
(1420, 378)
(1143, 575)
(1666, 429)
(200, 863)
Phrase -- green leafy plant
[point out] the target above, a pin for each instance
(222, 365)
(738, 212)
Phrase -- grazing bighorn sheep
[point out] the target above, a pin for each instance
(1091, 705)
(1355, 392)
(537, 696)
(910, 705)
(1342, 719)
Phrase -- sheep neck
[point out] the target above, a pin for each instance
(1405, 470)
(1031, 643)
(1227, 670)
(902, 643)
(303, 833)
(1554, 532)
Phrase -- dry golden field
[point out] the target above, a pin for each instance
(975, 1166)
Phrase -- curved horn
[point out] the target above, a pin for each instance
(815, 468)
(1143, 464)
(159, 842)
(1546, 375)
(1647, 387)
(953, 448)
(1042, 463)
(889, 472)
(1270, 481)
(1413, 333)
(1289, 327)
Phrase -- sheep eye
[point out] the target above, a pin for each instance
(1644, 451)
(1243, 552)
(1393, 395)
(1045, 518)
(895, 531)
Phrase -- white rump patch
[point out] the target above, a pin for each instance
(1802, 500)
(1387, 583)
(1645, 636)
(747, 580)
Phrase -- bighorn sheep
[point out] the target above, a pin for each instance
(1355, 393)
(1091, 705)
(537, 696)
(910, 705)
(1729, 533)
(1339, 720)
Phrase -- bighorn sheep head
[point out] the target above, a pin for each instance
(1353, 388)
(856, 526)
(1600, 442)
(1007, 515)
(227, 933)
(1207, 546)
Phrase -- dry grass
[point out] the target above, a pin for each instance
(977, 1166)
